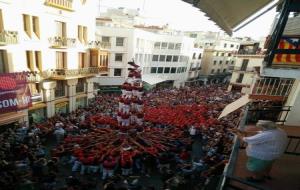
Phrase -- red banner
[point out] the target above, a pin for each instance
(14, 92)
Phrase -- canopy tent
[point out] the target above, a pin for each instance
(228, 14)
(242, 101)
(152, 79)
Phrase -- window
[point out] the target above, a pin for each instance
(85, 34)
(160, 70)
(212, 71)
(35, 26)
(1, 21)
(162, 58)
(199, 56)
(178, 46)
(179, 69)
(153, 69)
(164, 45)
(231, 45)
(60, 89)
(155, 58)
(215, 62)
(81, 60)
(244, 64)
(175, 58)
(119, 57)
(194, 55)
(217, 54)
(237, 46)
(61, 60)
(82, 34)
(169, 58)
(27, 24)
(227, 62)
(220, 62)
(171, 46)
(3, 62)
(224, 70)
(93, 58)
(173, 70)
(222, 54)
(38, 60)
(232, 62)
(225, 45)
(61, 29)
(29, 60)
(218, 70)
(240, 78)
(229, 54)
(105, 39)
(80, 85)
(157, 45)
(117, 72)
(193, 35)
(167, 70)
(119, 41)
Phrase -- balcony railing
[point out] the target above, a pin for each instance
(62, 42)
(34, 77)
(61, 4)
(99, 45)
(268, 88)
(8, 37)
(73, 73)
(235, 68)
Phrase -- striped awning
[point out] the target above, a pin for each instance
(288, 59)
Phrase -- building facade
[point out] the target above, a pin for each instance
(163, 57)
(50, 40)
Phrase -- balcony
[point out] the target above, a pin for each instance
(275, 89)
(240, 69)
(60, 4)
(33, 77)
(99, 45)
(8, 37)
(284, 171)
(62, 42)
(64, 74)
(38, 97)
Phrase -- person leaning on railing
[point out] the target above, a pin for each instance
(263, 148)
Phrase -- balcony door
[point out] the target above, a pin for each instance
(60, 29)
(244, 64)
(61, 60)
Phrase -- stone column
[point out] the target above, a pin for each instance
(90, 88)
(72, 93)
(49, 96)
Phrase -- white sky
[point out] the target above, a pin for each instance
(183, 16)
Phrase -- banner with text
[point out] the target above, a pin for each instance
(14, 92)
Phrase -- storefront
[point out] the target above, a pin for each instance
(62, 107)
(81, 102)
(37, 113)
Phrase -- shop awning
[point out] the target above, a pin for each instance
(242, 101)
(11, 117)
(228, 14)
(152, 79)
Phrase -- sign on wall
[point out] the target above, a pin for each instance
(14, 92)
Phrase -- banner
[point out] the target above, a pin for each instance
(14, 92)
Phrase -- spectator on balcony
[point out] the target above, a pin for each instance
(263, 149)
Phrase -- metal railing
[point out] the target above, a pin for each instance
(34, 77)
(293, 147)
(61, 4)
(277, 114)
(73, 72)
(62, 42)
(8, 37)
(272, 86)
(235, 68)
(37, 97)
(99, 44)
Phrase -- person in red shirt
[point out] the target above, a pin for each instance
(126, 163)
(108, 167)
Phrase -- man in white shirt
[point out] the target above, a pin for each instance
(263, 149)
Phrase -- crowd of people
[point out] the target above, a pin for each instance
(64, 152)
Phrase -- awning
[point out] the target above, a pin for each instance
(242, 101)
(228, 14)
(152, 79)
(11, 117)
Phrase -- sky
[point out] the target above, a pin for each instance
(183, 16)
